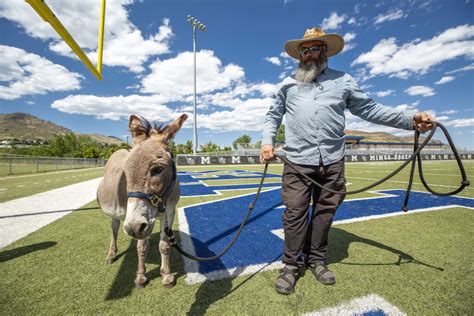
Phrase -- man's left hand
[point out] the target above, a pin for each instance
(422, 121)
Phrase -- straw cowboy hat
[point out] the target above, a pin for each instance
(334, 42)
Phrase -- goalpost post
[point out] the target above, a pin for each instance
(48, 16)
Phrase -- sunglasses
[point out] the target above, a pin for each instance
(312, 49)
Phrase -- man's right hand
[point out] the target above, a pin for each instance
(267, 153)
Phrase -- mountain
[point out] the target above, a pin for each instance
(28, 127)
(386, 137)
(25, 126)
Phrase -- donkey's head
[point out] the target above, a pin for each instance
(150, 172)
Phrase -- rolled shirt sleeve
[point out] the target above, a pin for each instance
(358, 103)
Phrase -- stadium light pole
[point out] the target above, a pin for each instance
(195, 24)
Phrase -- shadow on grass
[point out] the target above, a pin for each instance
(21, 251)
(207, 293)
(123, 284)
(340, 241)
(210, 291)
(51, 212)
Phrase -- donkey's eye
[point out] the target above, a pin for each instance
(156, 171)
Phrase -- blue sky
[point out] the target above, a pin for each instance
(406, 54)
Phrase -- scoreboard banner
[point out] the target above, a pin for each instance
(184, 160)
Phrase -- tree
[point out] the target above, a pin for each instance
(185, 148)
(280, 136)
(210, 147)
(242, 140)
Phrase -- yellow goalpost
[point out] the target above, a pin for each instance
(48, 16)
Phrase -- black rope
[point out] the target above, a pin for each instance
(169, 231)
(416, 156)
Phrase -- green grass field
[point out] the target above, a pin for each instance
(44, 166)
(14, 187)
(422, 263)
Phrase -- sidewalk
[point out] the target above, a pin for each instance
(23, 216)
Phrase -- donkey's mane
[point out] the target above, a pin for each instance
(146, 126)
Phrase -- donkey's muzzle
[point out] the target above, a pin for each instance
(138, 229)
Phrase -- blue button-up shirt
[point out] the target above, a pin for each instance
(315, 119)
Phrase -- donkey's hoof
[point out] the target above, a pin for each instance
(168, 281)
(169, 285)
(140, 281)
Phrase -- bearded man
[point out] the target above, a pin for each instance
(313, 104)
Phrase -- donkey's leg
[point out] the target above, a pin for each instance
(165, 271)
(112, 253)
(142, 251)
(167, 279)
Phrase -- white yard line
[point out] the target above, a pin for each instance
(414, 182)
(21, 217)
(424, 173)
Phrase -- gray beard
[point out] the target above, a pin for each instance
(306, 73)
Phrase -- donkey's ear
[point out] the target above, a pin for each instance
(137, 129)
(170, 130)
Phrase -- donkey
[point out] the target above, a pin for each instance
(139, 186)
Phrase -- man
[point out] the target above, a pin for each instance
(314, 104)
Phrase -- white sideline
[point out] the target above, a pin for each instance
(45, 208)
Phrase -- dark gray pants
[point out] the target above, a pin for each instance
(304, 232)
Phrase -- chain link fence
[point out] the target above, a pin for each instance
(15, 165)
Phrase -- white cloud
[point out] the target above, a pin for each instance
(333, 22)
(461, 122)
(348, 37)
(236, 105)
(366, 86)
(117, 107)
(358, 6)
(420, 90)
(174, 76)
(352, 21)
(384, 93)
(274, 60)
(248, 116)
(417, 57)
(445, 79)
(389, 16)
(27, 74)
(450, 112)
(466, 68)
(243, 115)
(124, 45)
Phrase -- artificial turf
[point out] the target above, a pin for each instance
(421, 263)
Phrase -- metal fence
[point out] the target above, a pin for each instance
(14, 165)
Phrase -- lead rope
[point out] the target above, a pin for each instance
(415, 156)
(169, 231)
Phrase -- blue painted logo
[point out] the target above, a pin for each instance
(211, 226)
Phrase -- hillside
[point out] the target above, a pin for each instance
(25, 126)
(385, 137)
(28, 127)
